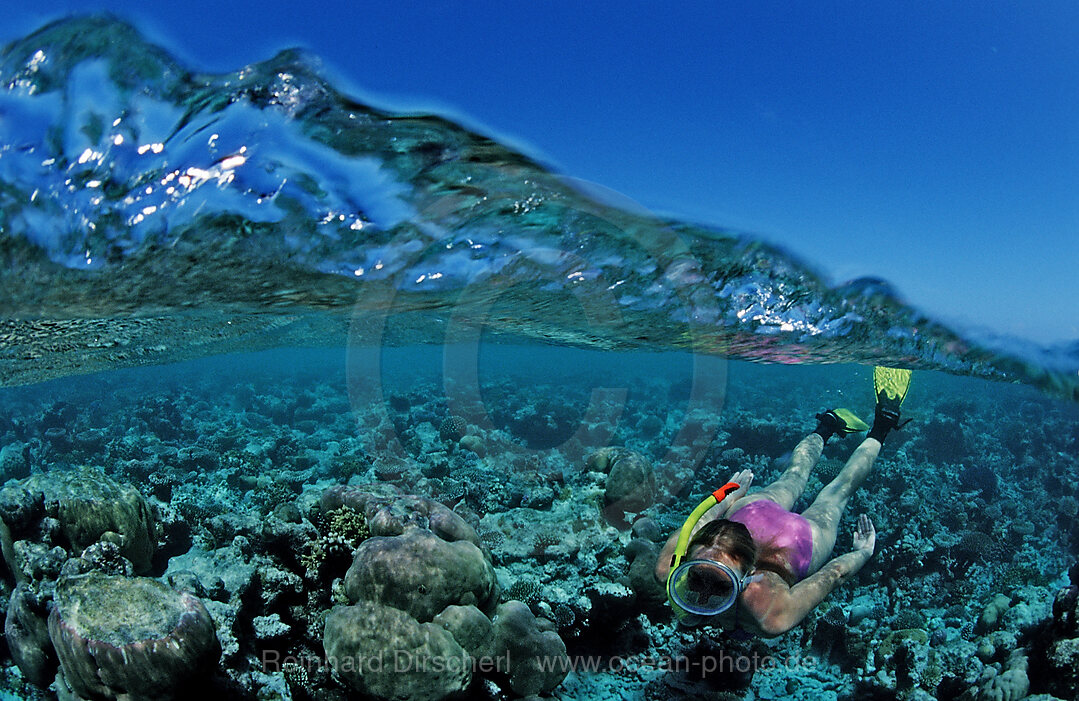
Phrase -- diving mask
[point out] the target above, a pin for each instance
(702, 588)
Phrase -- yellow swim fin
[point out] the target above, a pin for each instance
(841, 421)
(890, 386)
(851, 422)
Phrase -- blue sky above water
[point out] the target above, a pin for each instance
(935, 146)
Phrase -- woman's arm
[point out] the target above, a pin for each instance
(787, 609)
(743, 479)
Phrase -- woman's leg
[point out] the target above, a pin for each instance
(790, 485)
(826, 510)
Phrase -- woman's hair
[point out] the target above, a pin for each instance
(734, 539)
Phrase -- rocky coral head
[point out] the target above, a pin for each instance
(1066, 610)
(600, 460)
(537, 656)
(131, 638)
(421, 574)
(88, 506)
(385, 653)
(630, 484)
(390, 512)
(27, 635)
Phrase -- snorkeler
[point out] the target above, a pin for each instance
(746, 563)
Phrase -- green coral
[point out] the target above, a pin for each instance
(344, 528)
(350, 465)
(195, 510)
(908, 619)
(491, 537)
(452, 429)
(314, 557)
(828, 469)
(931, 676)
(524, 589)
(1018, 575)
(347, 524)
(563, 615)
(241, 460)
(542, 541)
(272, 495)
(897, 638)
(296, 675)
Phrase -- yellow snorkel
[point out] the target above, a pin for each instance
(682, 546)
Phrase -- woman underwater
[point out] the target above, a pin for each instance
(746, 563)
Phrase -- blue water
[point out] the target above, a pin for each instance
(237, 291)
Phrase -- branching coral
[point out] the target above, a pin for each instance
(524, 589)
(541, 543)
(342, 529)
(975, 546)
(452, 429)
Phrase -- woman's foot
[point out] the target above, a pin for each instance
(841, 421)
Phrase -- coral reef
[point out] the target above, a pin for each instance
(83, 505)
(470, 627)
(531, 532)
(453, 428)
(26, 631)
(533, 651)
(388, 512)
(343, 529)
(630, 485)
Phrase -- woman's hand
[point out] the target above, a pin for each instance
(743, 478)
(865, 536)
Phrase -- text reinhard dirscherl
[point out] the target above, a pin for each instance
(402, 661)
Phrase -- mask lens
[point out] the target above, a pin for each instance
(703, 587)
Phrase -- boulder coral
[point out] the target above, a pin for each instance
(991, 614)
(421, 574)
(469, 627)
(87, 506)
(386, 653)
(129, 638)
(630, 485)
(537, 656)
(1011, 684)
(27, 635)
